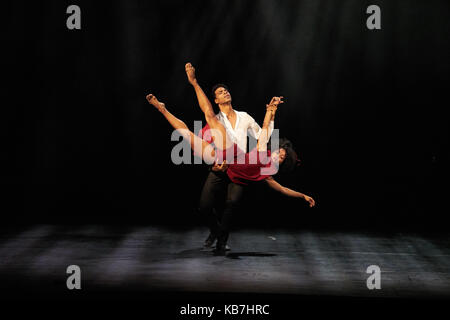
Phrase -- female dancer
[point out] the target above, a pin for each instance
(241, 173)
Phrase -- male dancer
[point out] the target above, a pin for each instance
(219, 192)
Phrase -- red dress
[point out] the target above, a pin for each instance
(243, 167)
(247, 167)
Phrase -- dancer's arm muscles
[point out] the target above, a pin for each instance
(289, 192)
(255, 130)
(286, 191)
(264, 135)
(268, 119)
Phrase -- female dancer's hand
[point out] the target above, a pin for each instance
(311, 201)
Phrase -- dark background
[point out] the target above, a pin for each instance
(365, 109)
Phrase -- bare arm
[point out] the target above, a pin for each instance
(289, 192)
(255, 130)
(268, 119)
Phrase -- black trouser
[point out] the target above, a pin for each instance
(220, 198)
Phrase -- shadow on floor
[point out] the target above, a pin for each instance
(238, 255)
(194, 253)
(199, 253)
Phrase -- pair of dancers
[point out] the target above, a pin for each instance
(257, 165)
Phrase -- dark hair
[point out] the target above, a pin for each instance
(214, 88)
(291, 161)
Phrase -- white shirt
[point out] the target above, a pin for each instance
(244, 124)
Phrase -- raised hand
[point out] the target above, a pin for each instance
(273, 105)
(276, 100)
(190, 72)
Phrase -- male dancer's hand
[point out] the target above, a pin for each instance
(190, 72)
(220, 167)
(277, 100)
(273, 105)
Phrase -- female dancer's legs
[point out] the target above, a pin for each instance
(198, 145)
(218, 131)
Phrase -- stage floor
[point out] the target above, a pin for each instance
(144, 258)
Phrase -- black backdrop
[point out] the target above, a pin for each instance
(365, 109)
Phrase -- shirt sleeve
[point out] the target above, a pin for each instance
(255, 130)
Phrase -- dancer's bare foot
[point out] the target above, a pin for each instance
(190, 72)
(154, 101)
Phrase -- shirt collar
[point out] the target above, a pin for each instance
(224, 116)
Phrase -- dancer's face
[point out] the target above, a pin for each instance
(222, 96)
(278, 156)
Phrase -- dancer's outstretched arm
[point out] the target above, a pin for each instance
(270, 117)
(218, 131)
(255, 130)
(289, 192)
(200, 146)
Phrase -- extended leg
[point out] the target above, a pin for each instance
(200, 146)
(218, 131)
